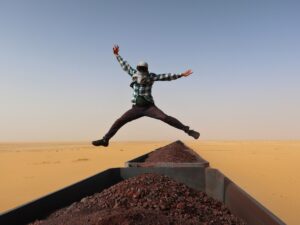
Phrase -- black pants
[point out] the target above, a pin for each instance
(139, 111)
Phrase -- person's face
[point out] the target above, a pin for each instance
(142, 68)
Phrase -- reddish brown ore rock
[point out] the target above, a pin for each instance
(176, 152)
(119, 216)
(145, 199)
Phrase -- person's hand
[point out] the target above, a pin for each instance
(116, 49)
(187, 73)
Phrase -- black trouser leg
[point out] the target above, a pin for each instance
(131, 114)
(156, 113)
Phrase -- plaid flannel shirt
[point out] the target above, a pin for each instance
(145, 89)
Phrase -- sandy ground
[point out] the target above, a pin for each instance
(267, 170)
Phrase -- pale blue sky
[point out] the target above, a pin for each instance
(60, 81)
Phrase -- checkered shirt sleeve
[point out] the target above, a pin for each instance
(125, 66)
(165, 76)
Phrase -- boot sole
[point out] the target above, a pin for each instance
(97, 145)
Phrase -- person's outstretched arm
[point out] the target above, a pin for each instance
(170, 76)
(124, 64)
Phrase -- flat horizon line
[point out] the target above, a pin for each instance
(166, 140)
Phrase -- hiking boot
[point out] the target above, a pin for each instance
(193, 133)
(103, 142)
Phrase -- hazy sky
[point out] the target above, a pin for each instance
(60, 81)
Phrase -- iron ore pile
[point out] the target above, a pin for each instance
(147, 199)
(175, 152)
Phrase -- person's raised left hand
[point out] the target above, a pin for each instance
(187, 73)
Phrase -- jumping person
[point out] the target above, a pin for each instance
(142, 100)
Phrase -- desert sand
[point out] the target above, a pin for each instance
(267, 170)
